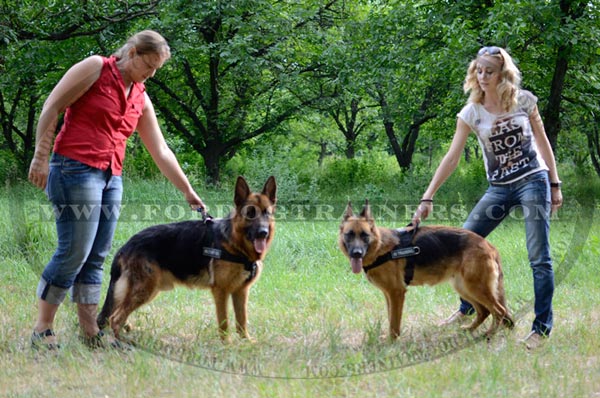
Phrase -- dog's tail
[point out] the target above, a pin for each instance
(507, 319)
(109, 302)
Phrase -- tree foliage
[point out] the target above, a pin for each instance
(240, 69)
(39, 41)
(384, 72)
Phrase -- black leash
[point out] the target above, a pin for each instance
(404, 249)
(206, 218)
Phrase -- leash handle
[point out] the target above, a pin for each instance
(205, 216)
(414, 231)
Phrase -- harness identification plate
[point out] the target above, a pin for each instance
(405, 252)
(211, 252)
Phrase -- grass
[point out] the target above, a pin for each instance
(319, 329)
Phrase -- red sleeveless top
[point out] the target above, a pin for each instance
(97, 125)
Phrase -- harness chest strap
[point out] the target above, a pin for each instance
(216, 251)
(404, 249)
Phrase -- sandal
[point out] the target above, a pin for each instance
(102, 340)
(40, 339)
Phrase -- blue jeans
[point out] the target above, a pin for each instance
(86, 203)
(532, 194)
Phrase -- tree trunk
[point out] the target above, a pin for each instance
(571, 11)
(551, 113)
(212, 164)
(593, 138)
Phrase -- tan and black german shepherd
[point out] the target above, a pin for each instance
(223, 255)
(394, 259)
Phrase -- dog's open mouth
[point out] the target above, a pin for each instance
(357, 264)
(260, 245)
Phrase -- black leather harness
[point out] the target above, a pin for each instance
(404, 249)
(216, 250)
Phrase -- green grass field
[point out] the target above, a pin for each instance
(319, 330)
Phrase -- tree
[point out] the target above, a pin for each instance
(397, 62)
(37, 46)
(556, 46)
(243, 68)
(240, 69)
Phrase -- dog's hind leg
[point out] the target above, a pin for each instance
(123, 309)
(501, 317)
(107, 308)
(472, 292)
(109, 301)
(481, 313)
(130, 294)
(507, 319)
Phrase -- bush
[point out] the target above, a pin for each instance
(374, 175)
(9, 169)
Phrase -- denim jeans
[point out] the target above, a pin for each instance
(86, 203)
(532, 194)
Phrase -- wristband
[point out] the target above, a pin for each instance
(556, 184)
(427, 200)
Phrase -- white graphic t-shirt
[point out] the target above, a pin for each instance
(507, 140)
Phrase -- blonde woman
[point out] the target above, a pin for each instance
(104, 101)
(520, 167)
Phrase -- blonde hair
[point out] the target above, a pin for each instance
(145, 42)
(508, 87)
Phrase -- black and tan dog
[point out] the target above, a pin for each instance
(394, 259)
(223, 255)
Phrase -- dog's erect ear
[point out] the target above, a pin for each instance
(348, 213)
(366, 211)
(270, 189)
(242, 191)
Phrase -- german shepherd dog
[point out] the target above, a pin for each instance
(223, 255)
(394, 259)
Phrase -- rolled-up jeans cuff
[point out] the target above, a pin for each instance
(50, 293)
(82, 293)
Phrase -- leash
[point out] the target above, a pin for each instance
(216, 251)
(206, 218)
(404, 249)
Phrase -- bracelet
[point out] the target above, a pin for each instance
(556, 184)
(427, 200)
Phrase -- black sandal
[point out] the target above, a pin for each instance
(39, 340)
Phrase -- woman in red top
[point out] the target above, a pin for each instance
(104, 101)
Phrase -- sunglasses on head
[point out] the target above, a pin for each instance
(493, 50)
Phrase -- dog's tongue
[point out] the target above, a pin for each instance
(260, 245)
(356, 265)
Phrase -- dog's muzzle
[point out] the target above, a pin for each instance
(356, 256)
(259, 238)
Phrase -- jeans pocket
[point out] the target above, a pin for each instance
(541, 177)
(71, 166)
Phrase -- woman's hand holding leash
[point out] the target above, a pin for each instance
(423, 210)
(194, 201)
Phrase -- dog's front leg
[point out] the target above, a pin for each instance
(395, 301)
(221, 296)
(240, 306)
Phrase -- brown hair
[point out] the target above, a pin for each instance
(145, 42)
